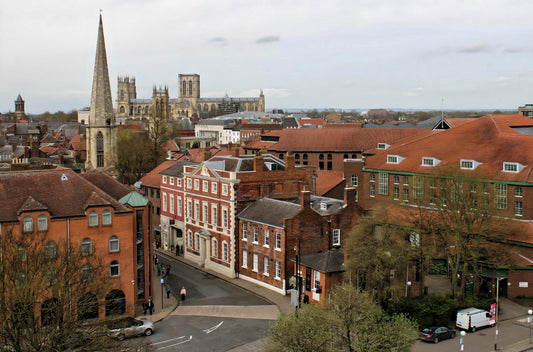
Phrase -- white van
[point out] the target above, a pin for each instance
(473, 318)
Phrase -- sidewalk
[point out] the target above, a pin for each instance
(514, 311)
(160, 311)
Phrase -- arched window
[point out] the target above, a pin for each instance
(114, 268)
(42, 222)
(21, 253)
(184, 88)
(93, 218)
(86, 246)
(115, 303)
(297, 157)
(190, 88)
(51, 312)
(281, 156)
(87, 273)
(88, 307)
(114, 244)
(214, 248)
(213, 107)
(345, 156)
(146, 110)
(330, 157)
(139, 110)
(28, 223)
(50, 250)
(99, 149)
(321, 157)
(122, 110)
(225, 251)
(106, 217)
(121, 94)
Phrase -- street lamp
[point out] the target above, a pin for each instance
(496, 313)
(529, 312)
(461, 341)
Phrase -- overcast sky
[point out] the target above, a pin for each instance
(303, 54)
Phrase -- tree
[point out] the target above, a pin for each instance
(133, 156)
(350, 321)
(47, 290)
(377, 255)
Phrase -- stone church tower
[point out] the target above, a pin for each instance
(126, 92)
(102, 129)
(19, 108)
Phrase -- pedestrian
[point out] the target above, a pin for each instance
(168, 289)
(177, 250)
(151, 306)
(156, 260)
(167, 272)
(145, 307)
(183, 293)
(158, 269)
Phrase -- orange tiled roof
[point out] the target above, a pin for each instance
(49, 150)
(152, 179)
(326, 180)
(489, 140)
(259, 144)
(339, 139)
(314, 122)
(170, 146)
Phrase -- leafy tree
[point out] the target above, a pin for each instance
(133, 155)
(44, 291)
(375, 251)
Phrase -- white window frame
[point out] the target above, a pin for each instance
(164, 179)
(171, 203)
(245, 231)
(225, 220)
(171, 180)
(336, 237)
(266, 269)
(394, 159)
(106, 217)
(114, 265)
(205, 212)
(383, 146)
(508, 166)
(205, 186)
(430, 161)
(255, 262)
(214, 187)
(189, 183)
(189, 209)
(180, 205)
(189, 239)
(225, 250)
(278, 241)
(164, 201)
(114, 244)
(316, 279)
(244, 258)
(214, 248)
(278, 270)
(93, 218)
(256, 234)
(42, 222)
(266, 238)
(383, 183)
(196, 242)
(214, 215)
(225, 189)
(196, 210)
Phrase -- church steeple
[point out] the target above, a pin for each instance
(102, 129)
(101, 102)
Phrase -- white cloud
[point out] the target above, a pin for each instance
(501, 79)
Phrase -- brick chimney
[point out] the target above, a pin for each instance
(289, 161)
(349, 195)
(235, 151)
(258, 163)
(207, 154)
(305, 198)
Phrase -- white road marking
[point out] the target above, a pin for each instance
(165, 341)
(210, 330)
(176, 344)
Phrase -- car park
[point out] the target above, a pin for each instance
(436, 334)
(128, 327)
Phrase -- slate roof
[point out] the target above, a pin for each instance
(326, 262)
(340, 139)
(63, 192)
(106, 183)
(333, 205)
(269, 211)
(134, 199)
(176, 170)
(243, 162)
(489, 140)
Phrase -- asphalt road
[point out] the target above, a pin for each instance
(205, 321)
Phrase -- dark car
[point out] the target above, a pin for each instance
(436, 334)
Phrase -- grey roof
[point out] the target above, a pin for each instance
(244, 163)
(326, 262)
(185, 124)
(176, 170)
(19, 98)
(269, 211)
(141, 101)
(217, 122)
(325, 205)
(289, 122)
(21, 128)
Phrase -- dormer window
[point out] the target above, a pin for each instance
(430, 161)
(512, 167)
(323, 206)
(383, 146)
(394, 159)
(469, 164)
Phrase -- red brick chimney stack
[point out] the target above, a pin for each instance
(349, 195)
(289, 161)
(258, 163)
(305, 198)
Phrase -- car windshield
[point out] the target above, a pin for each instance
(426, 330)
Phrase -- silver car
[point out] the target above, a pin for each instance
(128, 327)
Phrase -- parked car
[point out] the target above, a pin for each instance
(436, 334)
(128, 327)
(474, 318)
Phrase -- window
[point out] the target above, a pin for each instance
(336, 237)
(164, 201)
(225, 218)
(171, 203)
(196, 211)
(244, 259)
(86, 273)
(214, 219)
(278, 269)
(414, 239)
(180, 206)
(354, 180)
(383, 145)
(215, 248)
(225, 251)
(245, 231)
(394, 159)
(28, 223)
(396, 193)
(21, 253)
(323, 206)
(418, 187)
(86, 246)
(205, 213)
(406, 181)
(372, 177)
(265, 266)
(256, 234)
(178, 181)
(430, 161)
(93, 218)
(396, 180)
(205, 186)
(518, 192)
(406, 195)
(372, 190)
(114, 268)
(42, 222)
(383, 183)
(196, 242)
(106, 217)
(189, 183)
(213, 187)
(518, 205)
(316, 279)
(467, 164)
(512, 167)
(171, 180)
(50, 250)
(164, 179)
(267, 237)
(432, 196)
(189, 241)
(256, 262)
(224, 189)
(278, 240)
(114, 244)
(196, 185)
(500, 195)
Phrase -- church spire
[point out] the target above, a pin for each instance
(101, 112)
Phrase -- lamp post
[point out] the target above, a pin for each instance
(529, 312)
(496, 313)
(461, 344)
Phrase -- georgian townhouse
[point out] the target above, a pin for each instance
(60, 205)
(493, 154)
(172, 206)
(272, 233)
(218, 189)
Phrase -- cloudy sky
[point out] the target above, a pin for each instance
(474, 54)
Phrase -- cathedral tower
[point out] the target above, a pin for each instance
(102, 129)
(126, 91)
(160, 104)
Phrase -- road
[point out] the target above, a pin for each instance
(215, 316)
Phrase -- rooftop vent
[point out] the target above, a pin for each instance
(64, 177)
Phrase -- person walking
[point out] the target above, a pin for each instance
(151, 306)
(183, 293)
(177, 250)
(168, 289)
(158, 269)
(167, 270)
(145, 307)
